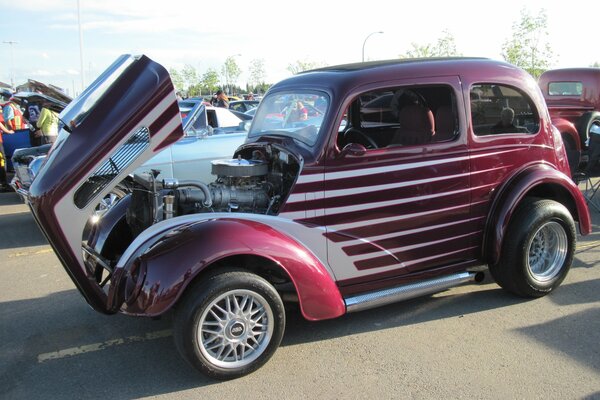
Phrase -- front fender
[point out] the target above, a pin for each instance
(174, 261)
(518, 187)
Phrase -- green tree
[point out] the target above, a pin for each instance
(304, 65)
(529, 47)
(231, 72)
(257, 72)
(177, 79)
(190, 77)
(444, 47)
(210, 81)
(595, 64)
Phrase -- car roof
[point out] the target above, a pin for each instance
(356, 74)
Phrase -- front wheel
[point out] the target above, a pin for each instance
(230, 324)
(538, 249)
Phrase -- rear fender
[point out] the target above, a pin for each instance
(181, 254)
(527, 182)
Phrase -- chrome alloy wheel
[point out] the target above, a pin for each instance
(235, 328)
(547, 251)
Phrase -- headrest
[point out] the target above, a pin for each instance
(416, 117)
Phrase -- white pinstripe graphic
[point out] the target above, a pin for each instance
(392, 168)
(328, 194)
(370, 239)
(390, 252)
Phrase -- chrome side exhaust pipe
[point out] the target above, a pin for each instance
(387, 296)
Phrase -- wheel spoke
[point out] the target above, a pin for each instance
(235, 328)
(547, 251)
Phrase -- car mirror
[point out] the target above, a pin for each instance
(245, 125)
(353, 149)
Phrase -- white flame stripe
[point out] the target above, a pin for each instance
(404, 264)
(156, 112)
(367, 206)
(371, 239)
(301, 197)
(392, 168)
(166, 130)
(420, 260)
(390, 252)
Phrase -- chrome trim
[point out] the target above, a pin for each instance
(387, 296)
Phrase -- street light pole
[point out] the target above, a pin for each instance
(12, 72)
(363, 48)
(80, 46)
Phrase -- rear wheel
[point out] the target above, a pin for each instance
(538, 249)
(230, 324)
(585, 124)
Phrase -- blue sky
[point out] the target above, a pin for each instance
(204, 33)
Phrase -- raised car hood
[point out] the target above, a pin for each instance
(121, 120)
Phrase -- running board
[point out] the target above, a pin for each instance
(387, 296)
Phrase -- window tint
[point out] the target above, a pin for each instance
(498, 109)
(406, 116)
(565, 88)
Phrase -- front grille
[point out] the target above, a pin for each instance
(111, 168)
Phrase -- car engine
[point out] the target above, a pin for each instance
(256, 184)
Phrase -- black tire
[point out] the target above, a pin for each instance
(538, 228)
(234, 331)
(585, 124)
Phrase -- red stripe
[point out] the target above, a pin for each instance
(164, 118)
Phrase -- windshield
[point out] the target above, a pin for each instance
(295, 114)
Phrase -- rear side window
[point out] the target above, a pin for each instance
(565, 88)
(499, 109)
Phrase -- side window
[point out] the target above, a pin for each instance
(500, 109)
(407, 116)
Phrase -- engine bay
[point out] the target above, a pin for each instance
(257, 181)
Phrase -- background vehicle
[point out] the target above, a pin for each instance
(243, 105)
(209, 133)
(333, 211)
(573, 99)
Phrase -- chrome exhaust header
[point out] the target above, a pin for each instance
(387, 296)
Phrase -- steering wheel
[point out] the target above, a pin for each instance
(354, 135)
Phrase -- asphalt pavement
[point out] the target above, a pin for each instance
(473, 341)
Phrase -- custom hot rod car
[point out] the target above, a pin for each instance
(345, 209)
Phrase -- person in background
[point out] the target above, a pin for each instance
(31, 115)
(48, 127)
(250, 96)
(3, 178)
(506, 123)
(13, 117)
(222, 99)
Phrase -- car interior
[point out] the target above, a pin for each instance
(400, 117)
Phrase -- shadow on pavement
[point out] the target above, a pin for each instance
(62, 320)
(20, 230)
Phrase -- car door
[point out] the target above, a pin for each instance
(403, 206)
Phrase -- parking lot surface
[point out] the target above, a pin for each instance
(473, 341)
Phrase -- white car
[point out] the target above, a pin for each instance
(210, 133)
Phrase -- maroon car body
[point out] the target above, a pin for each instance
(342, 210)
(573, 99)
